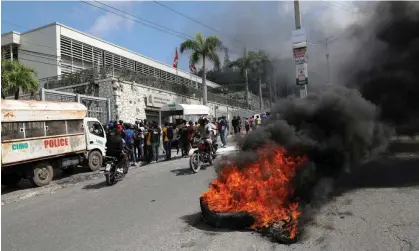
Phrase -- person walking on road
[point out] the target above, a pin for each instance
(190, 133)
(258, 121)
(223, 131)
(167, 140)
(155, 141)
(148, 148)
(129, 141)
(252, 123)
(139, 142)
(235, 124)
(247, 125)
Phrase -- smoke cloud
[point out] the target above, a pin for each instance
(334, 127)
(384, 67)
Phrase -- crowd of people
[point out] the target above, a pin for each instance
(249, 123)
(144, 139)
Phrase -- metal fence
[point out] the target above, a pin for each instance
(124, 74)
(97, 107)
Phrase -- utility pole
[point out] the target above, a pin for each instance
(303, 88)
(327, 56)
(297, 14)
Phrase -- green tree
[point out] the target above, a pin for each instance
(204, 49)
(244, 64)
(15, 78)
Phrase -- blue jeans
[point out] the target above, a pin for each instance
(223, 137)
(168, 148)
(132, 149)
(155, 149)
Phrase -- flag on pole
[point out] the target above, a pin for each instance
(175, 60)
(192, 68)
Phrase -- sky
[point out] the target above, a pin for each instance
(258, 25)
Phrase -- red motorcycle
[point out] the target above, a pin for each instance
(203, 155)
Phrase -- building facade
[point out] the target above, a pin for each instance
(56, 49)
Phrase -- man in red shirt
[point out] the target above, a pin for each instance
(119, 126)
(251, 122)
(191, 131)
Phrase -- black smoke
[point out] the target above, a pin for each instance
(385, 67)
(334, 127)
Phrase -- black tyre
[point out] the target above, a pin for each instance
(238, 220)
(110, 179)
(10, 179)
(95, 160)
(195, 163)
(42, 174)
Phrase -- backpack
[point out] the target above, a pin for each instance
(170, 133)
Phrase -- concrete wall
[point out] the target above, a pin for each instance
(130, 100)
(39, 50)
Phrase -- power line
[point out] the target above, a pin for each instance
(153, 23)
(172, 32)
(205, 25)
(135, 20)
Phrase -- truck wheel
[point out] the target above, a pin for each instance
(10, 179)
(42, 174)
(95, 160)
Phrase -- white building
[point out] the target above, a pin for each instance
(56, 49)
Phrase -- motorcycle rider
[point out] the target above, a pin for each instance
(114, 148)
(206, 132)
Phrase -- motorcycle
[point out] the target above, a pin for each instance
(202, 155)
(114, 172)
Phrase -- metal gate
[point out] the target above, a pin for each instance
(97, 107)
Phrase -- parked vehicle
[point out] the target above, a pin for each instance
(38, 136)
(202, 155)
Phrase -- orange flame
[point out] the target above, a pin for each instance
(262, 188)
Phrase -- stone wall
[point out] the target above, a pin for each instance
(129, 100)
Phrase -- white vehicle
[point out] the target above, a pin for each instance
(37, 136)
(184, 111)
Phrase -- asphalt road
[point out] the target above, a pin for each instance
(156, 207)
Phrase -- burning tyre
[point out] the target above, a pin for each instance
(259, 196)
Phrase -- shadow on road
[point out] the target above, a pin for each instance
(60, 177)
(384, 173)
(196, 220)
(187, 171)
(95, 186)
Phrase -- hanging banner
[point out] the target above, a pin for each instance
(300, 55)
(301, 74)
(299, 49)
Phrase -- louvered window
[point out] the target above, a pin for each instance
(76, 56)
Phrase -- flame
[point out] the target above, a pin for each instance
(263, 189)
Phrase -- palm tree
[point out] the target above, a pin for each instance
(16, 77)
(203, 48)
(244, 64)
(260, 62)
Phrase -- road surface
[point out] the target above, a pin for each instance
(156, 208)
